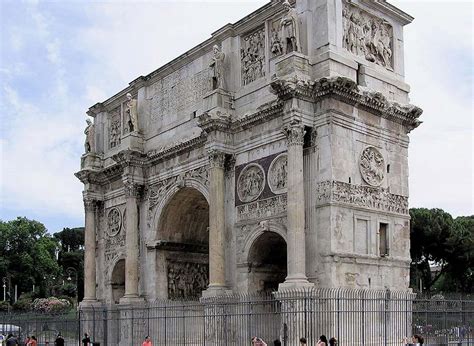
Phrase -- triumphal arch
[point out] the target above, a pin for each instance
(272, 156)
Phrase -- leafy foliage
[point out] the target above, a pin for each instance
(438, 239)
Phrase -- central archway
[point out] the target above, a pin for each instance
(267, 263)
(183, 233)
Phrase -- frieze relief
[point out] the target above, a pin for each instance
(372, 166)
(367, 36)
(262, 208)
(252, 54)
(278, 173)
(180, 91)
(361, 196)
(251, 182)
(187, 280)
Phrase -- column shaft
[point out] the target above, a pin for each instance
(216, 220)
(295, 208)
(90, 251)
(131, 242)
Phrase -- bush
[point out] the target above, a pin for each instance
(67, 290)
(4, 306)
(51, 304)
(23, 304)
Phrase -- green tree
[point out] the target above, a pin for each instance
(27, 255)
(71, 255)
(437, 238)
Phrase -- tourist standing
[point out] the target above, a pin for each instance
(147, 341)
(33, 341)
(258, 342)
(87, 340)
(333, 341)
(303, 341)
(59, 340)
(323, 341)
(11, 340)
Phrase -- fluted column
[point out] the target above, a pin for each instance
(295, 208)
(131, 241)
(216, 220)
(90, 250)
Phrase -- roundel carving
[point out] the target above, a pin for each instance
(372, 166)
(278, 174)
(251, 182)
(114, 222)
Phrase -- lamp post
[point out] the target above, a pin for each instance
(69, 271)
(4, 289)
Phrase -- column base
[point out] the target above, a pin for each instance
(131, 299)
(89, 303)
(295, 283)
(216, 291)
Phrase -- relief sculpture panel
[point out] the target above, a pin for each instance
(187, 280)
(367, 36)
(115, 236)
(360, 196)
(251, 182)
(114, 127)
(372, 166)
(252, 54)
(277, 174)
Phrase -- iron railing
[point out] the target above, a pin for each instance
(354, 317)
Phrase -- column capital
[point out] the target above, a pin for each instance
(132, 189)
(90, 204)
(216, 158)
(294, 132)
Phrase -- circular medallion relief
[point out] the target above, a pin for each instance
(251, 182)
(278, 173)
(114, 222)
(372, 166)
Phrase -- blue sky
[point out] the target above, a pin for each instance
(60, 57)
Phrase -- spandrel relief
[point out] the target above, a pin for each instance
(367, 36)
(252, 53)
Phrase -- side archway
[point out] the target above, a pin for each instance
(117, 280)
(182, 243)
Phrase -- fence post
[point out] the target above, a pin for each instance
(79, 327)
(104, 317)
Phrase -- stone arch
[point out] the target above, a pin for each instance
(182, 241)
(117, 279)
(266, 256)
(170, 193)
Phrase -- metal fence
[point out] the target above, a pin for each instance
(354, 317)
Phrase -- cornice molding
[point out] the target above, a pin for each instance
(164, 153)
(348, 91)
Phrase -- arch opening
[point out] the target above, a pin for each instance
(118, 281)
(183, 245)
(267, 262)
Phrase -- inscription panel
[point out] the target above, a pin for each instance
(180, 92)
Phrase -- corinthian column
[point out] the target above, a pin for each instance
(216, 221)
(90, 249)
(131, 241)
(295, 209)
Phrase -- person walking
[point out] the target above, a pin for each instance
(11, 340)
(333, 341)
(147, 341)
(33, 341)
(303, 341)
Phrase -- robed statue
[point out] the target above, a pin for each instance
(132, 113)
(217, 66)
(290, 30)
(90, 133)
